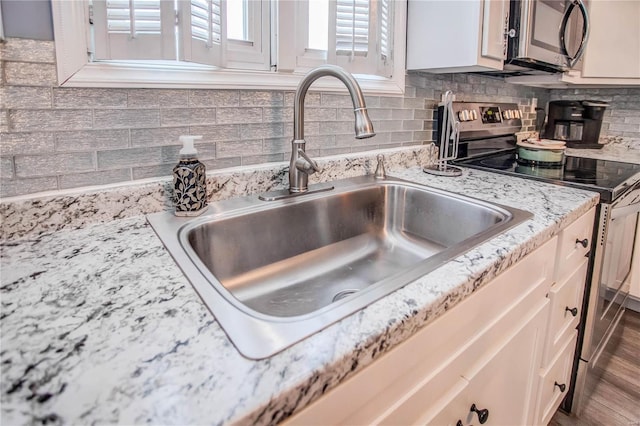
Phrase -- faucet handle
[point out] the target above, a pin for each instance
(380, 173)
(309, 166)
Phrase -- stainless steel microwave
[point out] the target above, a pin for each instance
(547, 35)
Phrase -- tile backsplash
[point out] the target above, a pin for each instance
(54, 138)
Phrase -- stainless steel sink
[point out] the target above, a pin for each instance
(275, 272)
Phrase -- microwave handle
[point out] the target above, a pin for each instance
(585, 32)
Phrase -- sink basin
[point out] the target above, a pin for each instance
(274, 272)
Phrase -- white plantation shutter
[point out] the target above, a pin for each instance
(360, 38)
(134, 29)
(352, 27)
(203, 31)
(385, 38)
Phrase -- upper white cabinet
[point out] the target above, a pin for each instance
(456, 36)
(613, 50)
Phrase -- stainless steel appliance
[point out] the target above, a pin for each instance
(548, 35)
(578, 123)
(488, 143)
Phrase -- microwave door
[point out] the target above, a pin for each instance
(542, 40)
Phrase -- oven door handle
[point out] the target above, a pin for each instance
(572, 60)
(625, 211)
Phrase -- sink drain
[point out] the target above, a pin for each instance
(342, 294)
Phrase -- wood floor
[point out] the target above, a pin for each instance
(615, 399)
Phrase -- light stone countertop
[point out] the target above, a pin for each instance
(100, 326)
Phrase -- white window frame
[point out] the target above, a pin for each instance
(70, 19)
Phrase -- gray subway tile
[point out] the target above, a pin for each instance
(277, 115)
(91, 140)
(155, 98)
(53, 164)
(215, 133)
(261, 159)
(89, 98)
(133, 157)
(188, 116)
(403, 114)
(222, 163)
(20, 97)
(625, 127)
(261, 98)
(14, 187)
(27, 50)
(417, 103)
(238, 148)
(404, 136)
(310, 99)
(413, 124)
(158, 170)
(126, 118)
(310, 128)
(335, 100)
(276, 145)
(389, 102)
(372, 101)
(29, 74)
(321, 141)
(320, 114)
(238, 115)
(388, 125)
(209, 98)
(377, 114)
(337, 128)
(26, 143)
(261, 130)
(6, 168)
(76, 180)
(422, 135)
(157, 136)
(26, 120)
(4, 120)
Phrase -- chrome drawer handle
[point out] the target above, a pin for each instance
(584, 242)
(574, 311)
(562, 386)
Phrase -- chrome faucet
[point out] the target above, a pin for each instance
(301, 165)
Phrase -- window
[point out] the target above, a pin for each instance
(266, 44)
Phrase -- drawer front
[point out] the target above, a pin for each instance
(571, 245)
(554, 382)
(566, 300)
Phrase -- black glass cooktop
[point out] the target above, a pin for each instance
(610, 178)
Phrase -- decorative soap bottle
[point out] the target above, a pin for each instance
(189, 180)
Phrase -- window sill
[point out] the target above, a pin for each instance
(118, 75)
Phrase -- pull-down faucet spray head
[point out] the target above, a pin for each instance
(364, 127)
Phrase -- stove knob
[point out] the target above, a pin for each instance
(464, 115)
(474, 114)
(506, 115)
(518, 114)
(461, 115)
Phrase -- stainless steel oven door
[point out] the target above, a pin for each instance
(613, 285)
(553, 32)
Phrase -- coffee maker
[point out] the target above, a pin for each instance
(578, 123)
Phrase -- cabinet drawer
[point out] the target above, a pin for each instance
(566, 299)
(571, 244)
(557, 376)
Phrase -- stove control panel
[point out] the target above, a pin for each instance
(485, 119)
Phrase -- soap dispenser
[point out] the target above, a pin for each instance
(189, 180)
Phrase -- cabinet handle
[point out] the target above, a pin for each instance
(584, 242)
(574, 311)
(483, 415)
(562, 386)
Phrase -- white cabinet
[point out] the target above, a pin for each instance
(456, 36)
(486, 351)
(613, 50)
(507, 349)
(634, 291)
